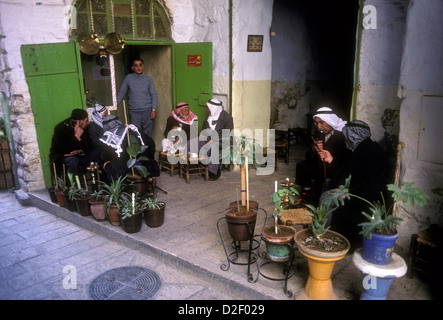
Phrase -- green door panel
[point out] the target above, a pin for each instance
(53, 73)
(193, 76)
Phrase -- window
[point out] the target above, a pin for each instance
(132, 19)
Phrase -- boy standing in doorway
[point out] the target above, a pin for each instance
(142, 97)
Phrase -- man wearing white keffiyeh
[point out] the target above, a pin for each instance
(109, 136)
(328, 136)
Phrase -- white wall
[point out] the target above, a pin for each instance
(422, 75)
(380, 62)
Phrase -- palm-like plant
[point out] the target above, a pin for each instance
(114, 190)
(380, 220)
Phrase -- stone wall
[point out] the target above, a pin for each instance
(421, 80)
(25, 22)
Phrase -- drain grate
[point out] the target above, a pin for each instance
(125, 283)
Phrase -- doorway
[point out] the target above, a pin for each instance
(157, 60)
(313, 49)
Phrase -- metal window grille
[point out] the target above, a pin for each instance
(132, 19)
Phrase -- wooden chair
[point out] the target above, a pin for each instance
(282, 142)
(426, 251)
(163, 163)
(193, 167)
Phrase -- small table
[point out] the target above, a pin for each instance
(193, 167)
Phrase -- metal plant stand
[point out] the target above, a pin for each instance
(287, 264)
(241, 248)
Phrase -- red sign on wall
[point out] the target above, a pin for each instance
(194, 60)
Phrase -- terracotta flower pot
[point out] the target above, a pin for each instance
(113, 215)
(241, 226)
(98, 209)
(60, 197)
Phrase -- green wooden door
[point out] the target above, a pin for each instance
(193, 76)
(53, 73)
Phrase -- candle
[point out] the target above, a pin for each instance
(276, 188)
(133, 203)
(247, 185)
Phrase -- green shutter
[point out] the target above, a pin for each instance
(193, 79)
(53, 73)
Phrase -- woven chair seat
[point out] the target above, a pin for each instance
(432, 237)
(292, 217)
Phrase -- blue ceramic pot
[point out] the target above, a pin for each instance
(379, 249)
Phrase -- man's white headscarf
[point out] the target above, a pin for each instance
(215, 107)
(328, 116)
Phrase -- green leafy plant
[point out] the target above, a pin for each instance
(380, 219)
(236, 149)
(114, 190)
(277, 197)
(319, 218)
(130, 205)
(76, 190)
(135, 151)
(151, 203)
(97, 196)
(61, 184)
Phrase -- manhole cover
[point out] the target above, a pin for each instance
(125, 283)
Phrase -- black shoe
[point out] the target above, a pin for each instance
(213, 177)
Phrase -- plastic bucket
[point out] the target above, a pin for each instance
(379, 249)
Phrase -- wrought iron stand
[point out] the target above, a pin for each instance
(238, 249)
(287, 263)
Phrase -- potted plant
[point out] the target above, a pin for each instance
(154, 210)
(59, 188)
(113, 191)
(322, 247)
(240, 217)
(276, 236)
(138, 176)
(131, 212)
(69, 201)
(241, 224)
(380, 230)
(81, 198)
(97, 203)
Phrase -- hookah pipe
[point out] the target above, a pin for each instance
(324, 163)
